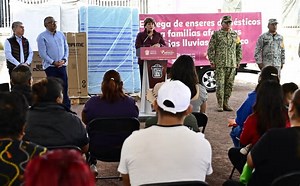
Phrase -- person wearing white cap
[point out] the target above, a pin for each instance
(168, 151)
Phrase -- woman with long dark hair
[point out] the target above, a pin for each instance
(268, 112)
(267, 73)
(184, 70)
(277, 152)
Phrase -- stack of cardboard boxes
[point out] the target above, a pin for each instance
(77, 66)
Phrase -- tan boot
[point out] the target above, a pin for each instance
(227, 108)
(220, 109)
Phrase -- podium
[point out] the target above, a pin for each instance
(154, 70)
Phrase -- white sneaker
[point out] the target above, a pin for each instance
(246, 149)
(94, 169)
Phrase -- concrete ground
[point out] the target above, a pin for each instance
(216, 132)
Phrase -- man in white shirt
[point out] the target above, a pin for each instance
(17, 49)
(168, 151)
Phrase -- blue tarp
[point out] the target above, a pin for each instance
(111, 33)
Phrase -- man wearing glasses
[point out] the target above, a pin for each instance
(54, 51)
(224, 53)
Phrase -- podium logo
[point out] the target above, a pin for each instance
(147, 52)
(169, 53)
(157, 71)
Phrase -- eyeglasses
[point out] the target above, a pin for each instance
(52, 22)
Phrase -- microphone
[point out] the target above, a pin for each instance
(169, 43)
(148, 32)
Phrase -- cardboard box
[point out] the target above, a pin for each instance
(77, 64)
(37, 67)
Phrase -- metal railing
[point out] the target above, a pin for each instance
(34, 1)
(5, 12)
(141, 4)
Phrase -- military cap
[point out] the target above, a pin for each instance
(226, 19)
(273, 21)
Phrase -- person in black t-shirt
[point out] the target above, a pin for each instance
(277, 152)
(15, 153)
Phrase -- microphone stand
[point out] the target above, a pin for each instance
(148, 32)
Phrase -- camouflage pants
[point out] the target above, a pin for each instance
(224, 80)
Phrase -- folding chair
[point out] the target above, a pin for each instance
(290, 179)
(201, 120)
(179, 183)
(107, 136)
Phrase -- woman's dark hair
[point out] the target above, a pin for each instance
(149, 20)
(184, 70)
(13, 108)
(289, 88)
(47, 90)
(296, 103)
(269, 107)
(267, 73)
(112, 86)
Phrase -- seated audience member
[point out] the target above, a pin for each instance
(15, 153)
(277, 152)
(49, 122)
(267, 73)
(184, 70)
(59, 167)
(268, 112)
(190, 120)
(288, 91)
(21, 80)
(112, 103)
(167, 151)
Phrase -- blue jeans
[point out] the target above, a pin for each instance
(60, 73)
(235, 135)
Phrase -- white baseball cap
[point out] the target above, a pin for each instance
(174, 96)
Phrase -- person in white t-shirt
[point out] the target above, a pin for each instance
(168, 151)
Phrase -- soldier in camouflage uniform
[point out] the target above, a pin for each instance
(224, 53)
(269, 49)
